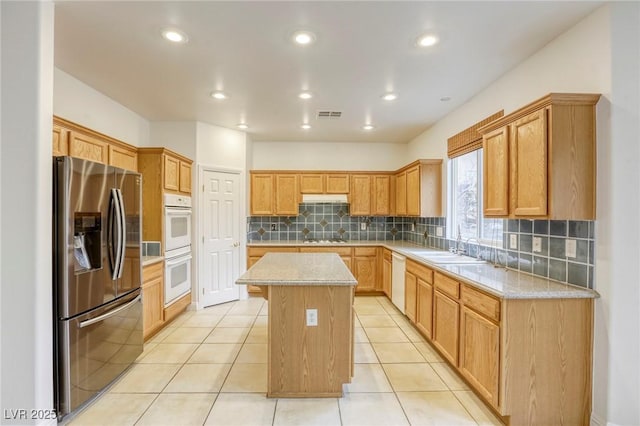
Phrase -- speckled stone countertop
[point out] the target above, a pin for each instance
(150, 260)
(501, 282)
(298, 269)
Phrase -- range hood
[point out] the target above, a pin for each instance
(325, 198)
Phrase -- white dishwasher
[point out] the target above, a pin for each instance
(397, 280)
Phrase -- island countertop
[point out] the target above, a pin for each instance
(298, 269)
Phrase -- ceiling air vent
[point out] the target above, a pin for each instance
(331, 115)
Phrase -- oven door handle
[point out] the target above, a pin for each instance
(109, 314)
(178, 212)
(178, 260)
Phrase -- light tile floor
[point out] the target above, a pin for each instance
(209, 368)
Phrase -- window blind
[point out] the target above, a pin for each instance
(469, 139)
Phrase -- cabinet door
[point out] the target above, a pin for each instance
(287, 195)
(386, 277)
(88, 148)
(360, 204)
(60, 141)
(495, 171)
(446, 320)
(153, 309)
(124, 158)
(424, 308)
(185, 177)
(337, 183)
(529, 160)
(381, 195)
(262, 194)
(401, 194)
(311, 183)
(410, 283)
(479, 353)
(171, 173)
(413, 191)
(365, 272)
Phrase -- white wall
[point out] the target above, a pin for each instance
(328, 156)
(178, 136)
(25, 179)
(82, 104)
(599, 55)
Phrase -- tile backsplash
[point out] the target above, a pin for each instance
(324, 221)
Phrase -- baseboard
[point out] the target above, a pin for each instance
(598, 421)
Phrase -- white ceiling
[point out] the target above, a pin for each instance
(363, 49)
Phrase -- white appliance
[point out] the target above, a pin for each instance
(177, 247)
(177, 222)
(398, 263)
(325, 198)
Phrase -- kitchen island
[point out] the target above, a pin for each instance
(310, 322)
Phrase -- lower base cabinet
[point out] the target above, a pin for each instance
(424, 308)
(152, 299)
(446, 326)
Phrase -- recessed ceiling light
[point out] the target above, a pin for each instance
(305, 126)
(305, 95)
(175, 36)
(242, 126)
(427, 40)
(303, 37)
(389, 96)
(219, 95)
(445, 99)
(368, 127)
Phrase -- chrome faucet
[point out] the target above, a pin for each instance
(459, 244)
(477, 243)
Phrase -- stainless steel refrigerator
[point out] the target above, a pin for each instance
(96, 279)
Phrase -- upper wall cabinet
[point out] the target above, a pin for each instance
(360, 195)
(274, 194)
(78, 141)
(177, 173)
(540, 161)
(419, 189)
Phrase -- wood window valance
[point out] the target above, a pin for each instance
(469, 139)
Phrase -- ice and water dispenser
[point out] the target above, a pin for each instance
(87, 232)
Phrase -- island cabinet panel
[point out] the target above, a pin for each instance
(360, 196)
(480, 354)
(309, 361)
(540, 160)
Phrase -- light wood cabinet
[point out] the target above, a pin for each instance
(365, 269)
(446, 314)
(152, 298)
(286, 195)
(410, 292)
(418, 189)
(312, 183)
(413, 191)
(177, 174)
(386, 272)
(415, 309)
(337, 183)
(539, 161)
(360, 195)
(88, 147)
(424, 308)
(401, 193)
(381, 195)
(60, 141)
(262, 194)
(125, 158)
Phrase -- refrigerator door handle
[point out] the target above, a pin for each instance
(109, 314)
(122, 232)
(111, 246)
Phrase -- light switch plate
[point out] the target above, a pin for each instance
(439, 231)
(312, 317)
(363, 226)
(537, 244)
(570, 248)
(513, 241)
(274, 226)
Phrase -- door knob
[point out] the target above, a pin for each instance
(236, 244)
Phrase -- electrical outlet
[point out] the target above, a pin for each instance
(363, 226)
(513, 241)
(537, 244)
(570, 248)
(274, 226)
(413, 227)
(312, 317)
(439, 231)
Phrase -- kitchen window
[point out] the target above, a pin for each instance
(465, 202)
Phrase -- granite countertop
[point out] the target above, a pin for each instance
(150, 260)
(298, 269)
(501, 282)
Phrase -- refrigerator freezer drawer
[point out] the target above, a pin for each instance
(95, 348)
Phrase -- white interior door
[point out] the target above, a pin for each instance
(220, 257)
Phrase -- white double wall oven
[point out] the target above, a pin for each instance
(178, 257)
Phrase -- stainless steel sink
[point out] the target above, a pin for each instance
(446, 258)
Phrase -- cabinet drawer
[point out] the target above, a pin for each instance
(420, 271)
(342, 251)
(482, 303)
(365, 251)
(261, 251)
(152, 271)
(447, 285)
